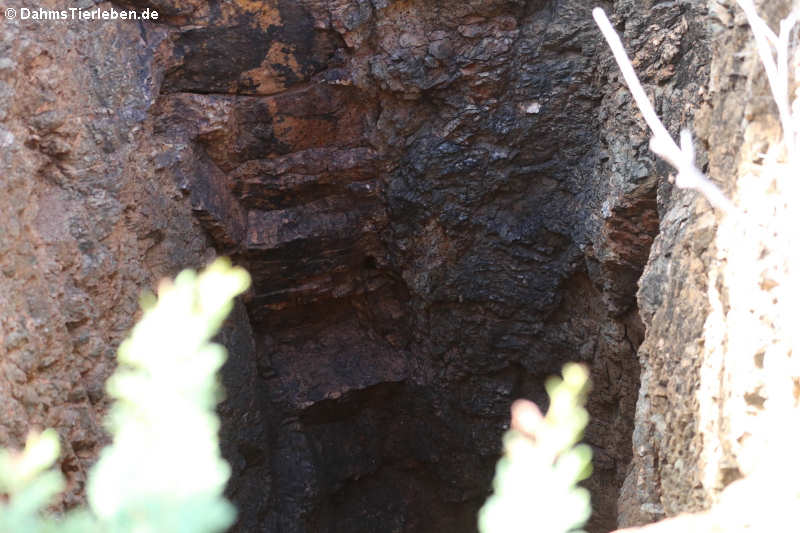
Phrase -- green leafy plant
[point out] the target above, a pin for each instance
(163, 472)
(535, 481)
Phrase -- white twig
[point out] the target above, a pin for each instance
(682, 158)
(775, 64)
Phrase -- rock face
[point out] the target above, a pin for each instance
(414, 186)
(86, 222)
(440, 204)
(718, 383)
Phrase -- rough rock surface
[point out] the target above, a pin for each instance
(414, 186)
(86, 223)
(440, 203)
(716, 359)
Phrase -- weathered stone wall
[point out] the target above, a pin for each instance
(86, 222)
(715, 297)
(669, 46)
(440, 203)
(415, 187)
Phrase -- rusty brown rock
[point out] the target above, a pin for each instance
(407, 182)
(440, 204)
(87, 223)
(415, 213)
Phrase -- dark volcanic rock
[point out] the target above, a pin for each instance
(420, 191)
(440, 204)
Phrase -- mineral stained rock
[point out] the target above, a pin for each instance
(418, 189)
(440, 204)
(86, 222)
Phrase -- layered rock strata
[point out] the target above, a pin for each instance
(440, 204)
(421, 192)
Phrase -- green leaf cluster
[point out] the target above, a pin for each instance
(535, 480)
(163, 471)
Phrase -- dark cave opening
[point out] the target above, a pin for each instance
(431, 228)
(353, 432)
(440, 204)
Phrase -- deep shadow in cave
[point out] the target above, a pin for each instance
(421, 205)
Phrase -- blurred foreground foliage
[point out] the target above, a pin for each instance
(535, 481)
(163, 472)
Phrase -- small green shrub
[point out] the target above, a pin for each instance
(535, 481)
(163, 472)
